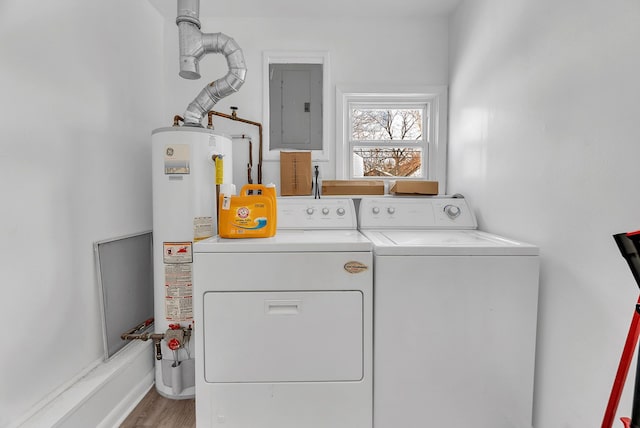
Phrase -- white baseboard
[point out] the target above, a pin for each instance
(119, 413)
(104, 396)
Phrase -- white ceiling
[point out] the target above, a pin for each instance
(317, 8)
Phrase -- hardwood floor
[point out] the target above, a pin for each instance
(157, 411)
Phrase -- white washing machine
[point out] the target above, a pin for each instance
(455, 317)
(283, 325)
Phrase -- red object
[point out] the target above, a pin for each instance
(174, 326)
(626, 422)
(623, 369)
(173, 344)
(636, 233)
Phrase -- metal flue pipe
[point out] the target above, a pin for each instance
(194, 45)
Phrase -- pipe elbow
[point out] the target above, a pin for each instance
(229, 84)
(235, 61)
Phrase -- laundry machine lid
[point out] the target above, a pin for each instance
(289, 241)
(445, 242)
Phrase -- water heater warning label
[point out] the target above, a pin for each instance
(179, 309)
(177, 252)
(178, 280)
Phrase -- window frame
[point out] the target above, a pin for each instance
(435, 143)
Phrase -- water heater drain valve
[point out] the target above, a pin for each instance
(176, 336)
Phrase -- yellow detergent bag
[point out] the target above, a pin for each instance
(249, 216)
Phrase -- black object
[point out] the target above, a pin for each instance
(629, 245)
(317, 189)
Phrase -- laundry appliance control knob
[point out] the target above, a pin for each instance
(325, 211)
(340, 211)
(452, 211)
(391, 210)
(310, 210)
(375, 210)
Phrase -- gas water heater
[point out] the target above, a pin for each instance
(185, 164)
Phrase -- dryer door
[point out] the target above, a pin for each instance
(283, 336)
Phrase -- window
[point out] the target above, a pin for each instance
(391, 135)
(388, 140)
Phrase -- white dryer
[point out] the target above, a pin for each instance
(283, 325)
(455, 317)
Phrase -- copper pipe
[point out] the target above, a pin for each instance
(234, 116)
(156, 337)
(250, 164)
(139, 327)
(144, 336)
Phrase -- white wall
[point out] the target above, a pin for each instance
(79, 93)
(361, 51)
(544, 142)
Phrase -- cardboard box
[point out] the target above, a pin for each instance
(295, 173)
(414, 187)
(353, 187)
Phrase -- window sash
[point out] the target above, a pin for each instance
(387, 164)
(398, 144)
(425, 107)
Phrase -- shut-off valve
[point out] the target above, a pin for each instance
(176, 337)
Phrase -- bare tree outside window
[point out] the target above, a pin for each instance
(396, 128)
(390, 162)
